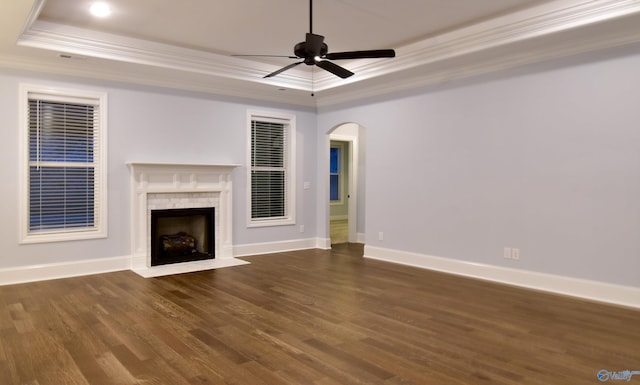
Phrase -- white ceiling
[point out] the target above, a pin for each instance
(189, 44)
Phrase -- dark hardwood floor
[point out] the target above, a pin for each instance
(308, 317)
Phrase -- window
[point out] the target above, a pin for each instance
(271, 174)
(64, 177)
(335, 164)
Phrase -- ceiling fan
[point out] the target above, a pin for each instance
(314, 51)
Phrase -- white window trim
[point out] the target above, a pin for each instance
(56, 93)
(290, 122)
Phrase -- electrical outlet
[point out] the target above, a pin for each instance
(302, 228)
(507, 253)
(380, 236)
(515, 254)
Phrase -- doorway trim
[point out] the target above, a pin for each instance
(352, 183)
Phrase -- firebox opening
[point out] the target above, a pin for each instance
(182, 235)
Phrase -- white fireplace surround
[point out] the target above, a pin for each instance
(156, 186)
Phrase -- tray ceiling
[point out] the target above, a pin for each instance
(189, 44)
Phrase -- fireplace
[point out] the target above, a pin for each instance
(182, 235)
(192, 210)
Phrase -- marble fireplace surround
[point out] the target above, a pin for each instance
(168, 186)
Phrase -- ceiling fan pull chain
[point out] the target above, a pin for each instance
(313, 81)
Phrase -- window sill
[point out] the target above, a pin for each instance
(49, 237)
(271, 222)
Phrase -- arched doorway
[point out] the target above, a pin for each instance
(345, 192)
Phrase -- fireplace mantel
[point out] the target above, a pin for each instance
(180, 186)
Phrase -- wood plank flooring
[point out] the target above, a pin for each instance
(339, 231)
(309, 317)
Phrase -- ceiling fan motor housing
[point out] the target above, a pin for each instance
(301, 51)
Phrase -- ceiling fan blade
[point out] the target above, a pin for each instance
(281, 70)
(313, 44)
(288, 57)
(334, 69)
(372, 54)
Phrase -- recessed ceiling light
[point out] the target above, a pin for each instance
(100, 9)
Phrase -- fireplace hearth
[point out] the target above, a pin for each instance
(182, 235)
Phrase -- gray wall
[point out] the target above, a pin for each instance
(546, 161)
(149, 125)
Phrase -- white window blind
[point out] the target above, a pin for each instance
(268, 170)
(271, 169)
(65, 177)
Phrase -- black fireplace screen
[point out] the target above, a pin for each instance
(182, 235)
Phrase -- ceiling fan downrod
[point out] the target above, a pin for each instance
(310, 16)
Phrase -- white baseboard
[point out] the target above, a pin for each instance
(33, 273)
(586, 289)
(277, 247)
(323, 243)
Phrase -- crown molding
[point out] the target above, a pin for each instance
(543, 20)
(439, 58)
(490, 60)
(190, 82)
(79, 41)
